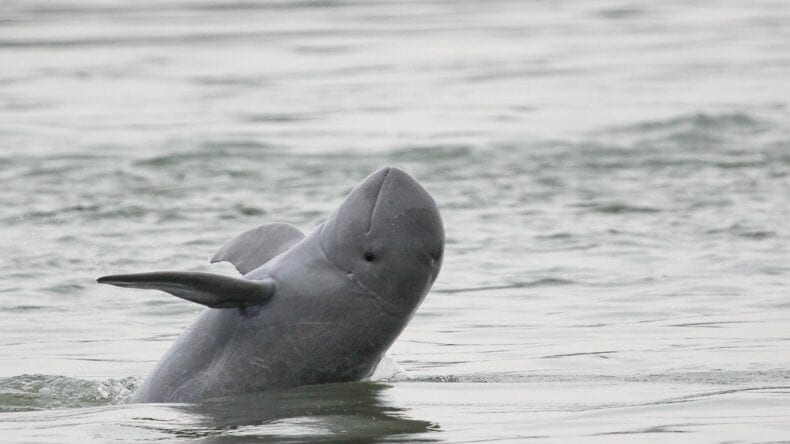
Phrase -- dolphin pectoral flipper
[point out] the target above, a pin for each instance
(255, 247)
(211, 290)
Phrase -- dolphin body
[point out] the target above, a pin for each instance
(311, 309)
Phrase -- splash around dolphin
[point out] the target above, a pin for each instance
(311, 309)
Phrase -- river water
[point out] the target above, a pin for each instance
(614, 179)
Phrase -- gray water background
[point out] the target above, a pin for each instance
(614, 179)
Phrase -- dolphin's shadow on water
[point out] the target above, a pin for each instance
(356, 411)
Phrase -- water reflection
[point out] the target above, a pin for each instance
(344, 412)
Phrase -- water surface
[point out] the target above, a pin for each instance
(614, 179)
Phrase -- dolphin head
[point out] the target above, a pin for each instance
(388, 237)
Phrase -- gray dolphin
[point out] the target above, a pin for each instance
(309, 309)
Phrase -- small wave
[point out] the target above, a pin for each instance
(90, 212)
(700, 122)
(388, 370)
(620, 208)
(204, 154)
(276, 117)
(248, 210)
(620, 12)
(507, 378)
(39, 392)
(431, 152)
(742, 378)
(745, 232)
(691, 140)
(542, 282)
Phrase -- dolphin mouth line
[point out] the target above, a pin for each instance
(385, 305)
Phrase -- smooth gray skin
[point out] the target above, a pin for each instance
(333, 314)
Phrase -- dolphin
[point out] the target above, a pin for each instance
(308, 309)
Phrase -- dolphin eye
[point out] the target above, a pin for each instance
(369, 256)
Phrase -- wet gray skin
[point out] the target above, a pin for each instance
(310, 309)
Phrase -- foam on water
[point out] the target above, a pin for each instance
(36, 392)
